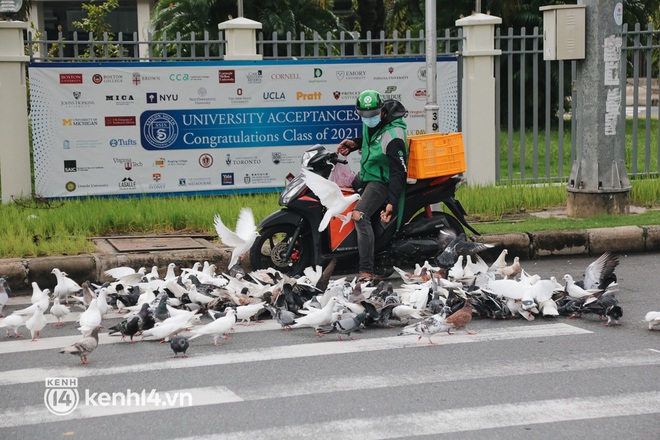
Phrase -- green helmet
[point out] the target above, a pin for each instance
(368, 104)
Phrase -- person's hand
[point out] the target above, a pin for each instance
(345, 147)
(386, 214)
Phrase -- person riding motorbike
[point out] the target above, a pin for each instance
(383, 169)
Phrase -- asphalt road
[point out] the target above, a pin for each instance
(544, 379)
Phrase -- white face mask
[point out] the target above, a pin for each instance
(371, 122)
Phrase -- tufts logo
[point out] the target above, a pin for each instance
(122, 143)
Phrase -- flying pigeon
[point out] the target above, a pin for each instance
(600, 273)
(216, 328)
(242, 239)
(459, 245)
(179, 344)
(429, 326)
(344, 326)
(84, 346)
(59, 311)
(330, 196)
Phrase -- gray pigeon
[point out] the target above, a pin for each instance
(283, 317)
(84, 346)
(179, 344)
(429, 326)
(344, 326)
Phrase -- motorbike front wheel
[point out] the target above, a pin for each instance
(269, 250)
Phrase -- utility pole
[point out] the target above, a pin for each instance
(598, 182)
(431, 107)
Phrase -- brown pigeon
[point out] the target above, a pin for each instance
(461, 318)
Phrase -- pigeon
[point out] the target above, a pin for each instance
(500, 261)
(344, 326)
(36, 323)
(511, 270)
(59, 311)
(459, 245)
(5, 291)
(241, 240)
(283, 317)
(330, 195)
(216, 328)
(575, 291)
(461, 318)
(90, 318)
(42, 302)
(317, 318)
(179, 344)
(653, 319)
(163, 331)
(429, 326)
(65, 286)
(128, 327)
(12, 322)
(84, 346)
(245, 312)
(600, 273)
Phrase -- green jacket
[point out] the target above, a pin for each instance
(374, 163)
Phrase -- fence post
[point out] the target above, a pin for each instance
(598, 183)
(15, 174)
(478, 116)
(241, 35)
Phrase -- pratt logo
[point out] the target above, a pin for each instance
(70, 166)
(205, 160)
(277, 158)
(97, 78)
(61, 395)
(161, 130)
(153, 97)
(302, 96)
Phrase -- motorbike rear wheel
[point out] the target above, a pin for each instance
(455, 226)
(269, 250)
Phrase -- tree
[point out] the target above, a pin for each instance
(96, 23)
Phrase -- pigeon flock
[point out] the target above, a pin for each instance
(200, 303)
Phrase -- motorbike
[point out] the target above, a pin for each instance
(289, 239)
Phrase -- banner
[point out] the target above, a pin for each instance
(208, 127)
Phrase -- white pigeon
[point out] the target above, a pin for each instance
(244, 313)
(241, 241)
(330, 195)
(4, 296)
(500, 262)
(163, 331)
(102, 301)
(65, 285)
(575, 291)
(318, 317)
(59, 311)
(653, 319)
(216, 328)
(36, 323)
(405, 313)
(90, 318)
(12, 322)
(170, 274)
(42, 303)
(36, 293)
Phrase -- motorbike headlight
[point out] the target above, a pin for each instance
(307, 156)
(292, 190)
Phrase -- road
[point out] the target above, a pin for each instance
(544, 379)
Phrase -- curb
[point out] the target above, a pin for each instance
(21, 273)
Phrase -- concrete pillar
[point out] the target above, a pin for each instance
(15, 175)
(598, 182)
(431, 108)
(478, 116)
(241, 35)
(144, 8)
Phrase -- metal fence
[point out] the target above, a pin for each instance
(536, 141)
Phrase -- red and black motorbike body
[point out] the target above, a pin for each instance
(290, 241)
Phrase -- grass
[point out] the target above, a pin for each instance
(34, 228)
